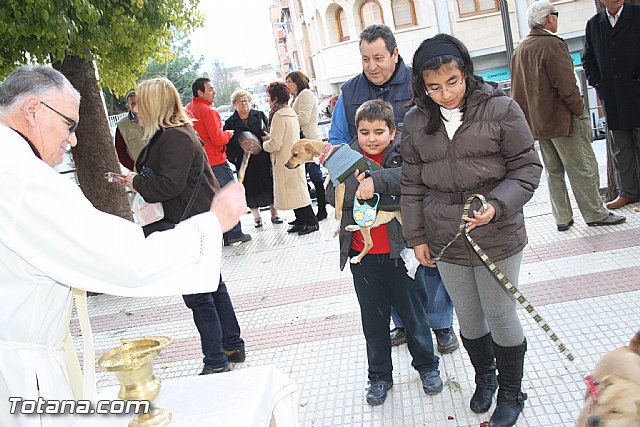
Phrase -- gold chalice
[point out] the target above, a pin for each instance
(131, 363)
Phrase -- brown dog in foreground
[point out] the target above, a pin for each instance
(307, 150)
(618, 377)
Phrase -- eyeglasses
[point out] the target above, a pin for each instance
(242, 101)
(554, 14)
(449, 88)
(73, 125)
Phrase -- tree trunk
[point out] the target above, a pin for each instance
(95, 153)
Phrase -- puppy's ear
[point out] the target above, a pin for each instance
(607, 381)
(634, 344)
(308, 145)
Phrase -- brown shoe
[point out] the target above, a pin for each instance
(397, 337)
(208, 370)
(236, 356)
(618, 202)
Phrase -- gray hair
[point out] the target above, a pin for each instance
(32, 80)
(240, 93)
(374, 32)
(537, 13)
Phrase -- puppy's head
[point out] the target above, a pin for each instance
(303, 151)
(617, 406)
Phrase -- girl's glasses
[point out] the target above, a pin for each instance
(449, 88)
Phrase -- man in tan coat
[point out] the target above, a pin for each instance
(544, 84)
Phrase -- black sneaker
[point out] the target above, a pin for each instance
(447, 340)
(210, 370)
(235, 356)
(397, 337)
(431, 382)
(377, 392)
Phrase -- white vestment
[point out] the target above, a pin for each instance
(52, 239)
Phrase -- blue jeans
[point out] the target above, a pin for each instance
(379, 283)
(438, 305)
(217, 324)
(224, 175)
(313, 169)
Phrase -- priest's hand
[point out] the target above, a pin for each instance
(229, 205)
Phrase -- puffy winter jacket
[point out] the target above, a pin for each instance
(491, 153)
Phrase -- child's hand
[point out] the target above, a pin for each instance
(422, 255)
(480, 217)
(366, 189)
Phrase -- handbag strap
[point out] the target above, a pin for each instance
(194, 193)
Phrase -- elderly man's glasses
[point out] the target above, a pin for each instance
(73, 125)
(554, 14)
(449, 88)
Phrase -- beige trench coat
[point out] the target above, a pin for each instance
(290, 189)
(306, 107)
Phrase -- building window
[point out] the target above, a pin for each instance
(370, 13)
(341, 24)
(477, 7)
(404, 13)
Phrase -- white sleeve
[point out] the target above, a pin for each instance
(47, 221)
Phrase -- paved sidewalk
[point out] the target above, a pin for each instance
(298, 311)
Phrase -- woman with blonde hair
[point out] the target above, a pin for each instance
(305, 104)
(174, 171)
(258, 180)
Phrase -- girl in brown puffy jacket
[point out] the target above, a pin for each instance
(464, 136)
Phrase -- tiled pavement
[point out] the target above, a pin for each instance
(298, 311)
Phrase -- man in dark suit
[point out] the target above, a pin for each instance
(611, 59)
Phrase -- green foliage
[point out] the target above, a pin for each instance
(120, 35)
(182, 70)
(222, 83)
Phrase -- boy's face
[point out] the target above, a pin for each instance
(374, 136)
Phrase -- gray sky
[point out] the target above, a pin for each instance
(238, 32)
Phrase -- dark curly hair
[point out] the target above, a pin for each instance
(278, 92)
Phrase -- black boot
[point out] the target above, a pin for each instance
(481, 355)
(510, 363)
(321, 199)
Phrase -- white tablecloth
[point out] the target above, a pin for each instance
(249, 397)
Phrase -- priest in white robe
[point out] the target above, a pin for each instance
(53, 240)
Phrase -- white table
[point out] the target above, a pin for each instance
(252, 397)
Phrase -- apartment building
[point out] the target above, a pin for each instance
(320, 37)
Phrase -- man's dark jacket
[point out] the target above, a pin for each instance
(396, 91)
(611, 59)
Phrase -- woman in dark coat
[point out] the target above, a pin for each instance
(258, 179)
(173, 170)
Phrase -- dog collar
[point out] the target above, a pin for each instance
(325, 152)
(592, 388)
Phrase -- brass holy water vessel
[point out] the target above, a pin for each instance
(131, 362)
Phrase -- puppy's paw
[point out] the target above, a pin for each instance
(355, 260)
(352, 227)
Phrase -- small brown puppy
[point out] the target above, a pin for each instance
(306, 150)
(618, 376)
